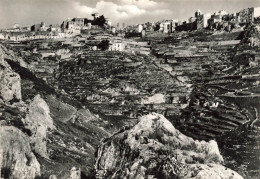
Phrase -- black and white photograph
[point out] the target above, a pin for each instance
(129, 89)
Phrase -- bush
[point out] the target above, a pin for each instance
(103, 45)
(243, 59)
(100, 21)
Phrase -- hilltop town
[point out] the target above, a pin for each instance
(168, 99)
(220, 20)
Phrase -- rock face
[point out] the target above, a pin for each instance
(38, 120)
(153, 148)
(16, 158)
(10, 85)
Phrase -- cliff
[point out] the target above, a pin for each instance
(10, 87)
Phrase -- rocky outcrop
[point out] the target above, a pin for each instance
(153, 148)
(65, 113)
(38, 120)
(10, 54)
(10, 84)
(16, 158)
(75, 173)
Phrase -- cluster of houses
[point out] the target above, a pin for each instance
(116, 43)
(76, 25)
(220, 20)
(68, 28)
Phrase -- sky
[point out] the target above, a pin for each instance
(29, 12)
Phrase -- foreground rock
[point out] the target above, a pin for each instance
(38, 121)
(16, 158)
(155, 149)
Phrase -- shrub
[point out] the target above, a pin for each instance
(103, 45)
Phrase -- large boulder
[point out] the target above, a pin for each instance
(65, 113)
(154, 148)
(16, 158)
(38, 121)
(10, 82)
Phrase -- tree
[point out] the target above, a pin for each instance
(100, 21)
(103, 45)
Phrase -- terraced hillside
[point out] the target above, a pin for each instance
(205, 83)
(225, 93)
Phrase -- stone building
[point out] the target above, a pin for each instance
(116, 44)
(167, 27)
(69, 26)
(198, 13)
(202, 21)
(248, 15)
(78, 21)
(186, 26)
(36, 27)
(218, 17)
(54, 28)
(39, 27)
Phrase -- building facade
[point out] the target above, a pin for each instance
(36, 27)
(202, 21)
(248, 15)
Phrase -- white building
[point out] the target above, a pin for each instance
(2, 36)
(220, 13)
(16, 26)
(116, 44)
(202, 21)
(256, 12)
(139, 28)
(167, 26)
(108, 21)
